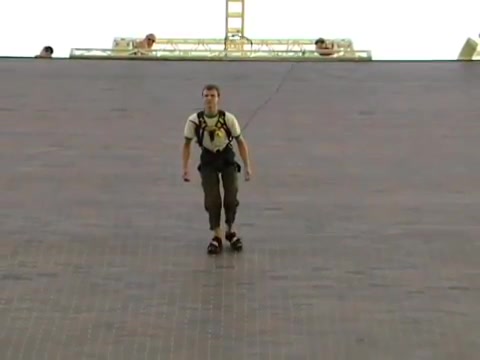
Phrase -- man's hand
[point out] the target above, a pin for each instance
(185, 160)
(243, 150)
(186, 176)
(248, 174)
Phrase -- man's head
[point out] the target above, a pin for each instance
(323, 48)
(46, 52)
(150, 40)
(211, 95)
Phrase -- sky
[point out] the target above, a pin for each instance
(407, 29)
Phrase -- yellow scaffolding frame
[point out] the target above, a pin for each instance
(235, 44)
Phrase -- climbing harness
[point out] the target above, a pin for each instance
(201, 128)
(217, 159)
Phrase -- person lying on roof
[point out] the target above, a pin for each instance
(46, 53)
(324, 48)
(147, 43)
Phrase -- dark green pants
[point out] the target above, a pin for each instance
(211, 178)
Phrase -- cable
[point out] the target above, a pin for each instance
(270, 97)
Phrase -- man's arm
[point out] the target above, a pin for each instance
(241, 142)
(189, 134)
(186, 154)
(243, 150)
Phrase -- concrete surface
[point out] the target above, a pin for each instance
(362, 225)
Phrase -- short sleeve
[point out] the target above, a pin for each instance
(233, 125)
(189, 131)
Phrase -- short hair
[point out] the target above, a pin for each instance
(320, 41)
(210, 87)
(48, 50)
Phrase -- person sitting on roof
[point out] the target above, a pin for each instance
(46, 53)
(324, 48)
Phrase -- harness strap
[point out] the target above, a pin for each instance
(202, 125)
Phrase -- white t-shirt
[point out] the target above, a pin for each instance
(220, 140)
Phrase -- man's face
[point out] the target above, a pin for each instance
(210, 99)
(321, 47)
(45, 53)
(324, 49)
(150, 41)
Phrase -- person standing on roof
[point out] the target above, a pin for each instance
(214, 130)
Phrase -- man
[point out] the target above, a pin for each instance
(146, 44)
(214, 130)
(46, 53)
(323, 48)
